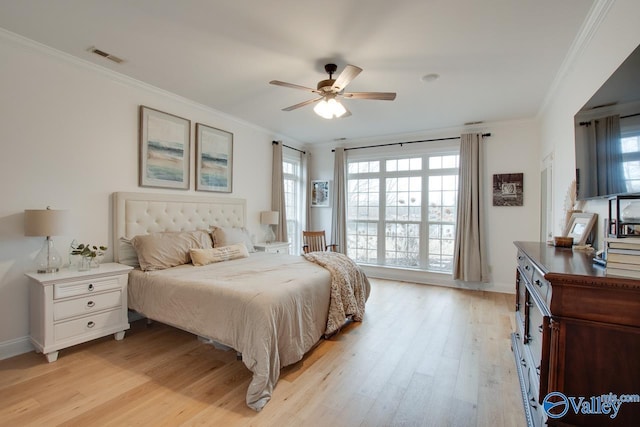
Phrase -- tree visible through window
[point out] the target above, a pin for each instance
(401, 211)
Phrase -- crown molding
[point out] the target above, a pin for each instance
(592, 22)
(129, 81)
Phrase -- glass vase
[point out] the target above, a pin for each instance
(84, 264)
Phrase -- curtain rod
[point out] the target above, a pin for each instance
(406, 142)
(622, 117)
(299, 151)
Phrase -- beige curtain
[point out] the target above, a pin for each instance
(277, 193)
(469, 257)
(306, 194)
(339, 211)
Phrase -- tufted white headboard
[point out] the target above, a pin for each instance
(144, 213)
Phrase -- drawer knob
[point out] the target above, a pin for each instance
(91, 324)
(523, 363)
(91, 304)
(91, 287)
(529, 338)
(538, 282)
(526, 267)
(540, 329)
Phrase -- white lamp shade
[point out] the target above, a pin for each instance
(269, 217)
(45, 222)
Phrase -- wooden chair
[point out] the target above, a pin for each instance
(314, 241)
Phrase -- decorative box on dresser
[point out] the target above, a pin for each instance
(71, 307)
(578, 334)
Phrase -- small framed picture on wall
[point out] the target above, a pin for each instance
(320, 194)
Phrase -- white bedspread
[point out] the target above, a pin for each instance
(271, 308)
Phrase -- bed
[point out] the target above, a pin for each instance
(271, 308)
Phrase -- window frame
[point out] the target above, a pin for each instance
(442, 149)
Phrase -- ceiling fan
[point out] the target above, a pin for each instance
(330, 89)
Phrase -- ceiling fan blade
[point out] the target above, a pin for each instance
(293, 86)
(383, 96)
(302, 104)
(349, 73)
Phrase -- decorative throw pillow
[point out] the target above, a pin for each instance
(158, 251)
(222, 253)
(225, 236)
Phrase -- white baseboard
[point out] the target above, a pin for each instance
(15, 347)
(432, 278)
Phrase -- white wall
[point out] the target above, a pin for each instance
(513, 147)
(603, 51)
(69, 138)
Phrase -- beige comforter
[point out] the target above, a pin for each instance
(271, 308)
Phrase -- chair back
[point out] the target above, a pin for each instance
(313, 241)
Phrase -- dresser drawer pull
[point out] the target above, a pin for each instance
(523, 363)
(526, 267)
(91, 324)
(529, 338)
(91, 304)
(533, 403)
(538, 282)
(538, 370)
(91, 287)
(540, 329)
(520, 257)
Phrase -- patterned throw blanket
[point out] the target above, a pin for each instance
(349, 288)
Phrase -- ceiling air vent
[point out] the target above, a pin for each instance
(106, 55)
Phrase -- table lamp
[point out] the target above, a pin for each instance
(46, 222)
(269, 218)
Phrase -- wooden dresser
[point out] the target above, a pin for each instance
(577, 336)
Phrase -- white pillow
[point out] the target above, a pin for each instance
(127, 254)
(222, 253)
(226, 236)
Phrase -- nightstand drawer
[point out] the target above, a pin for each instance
(87, 324)
(86, 305)
(85, 287)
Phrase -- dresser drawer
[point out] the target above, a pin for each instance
(83, 287)
(534, 338)
(85, 305)
(526, 267)
(88, 324)
(541, 285)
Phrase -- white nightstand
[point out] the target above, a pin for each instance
(71, 307)
(273, 247)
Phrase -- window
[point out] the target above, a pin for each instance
(293, 190)
(401, 211)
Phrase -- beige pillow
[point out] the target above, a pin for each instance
(226, 236)
(222, 253)
(158, 251)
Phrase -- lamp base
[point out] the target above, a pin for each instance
(270, 236)
(49, 270)
(48, 259)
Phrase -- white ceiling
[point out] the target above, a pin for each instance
(497, 59)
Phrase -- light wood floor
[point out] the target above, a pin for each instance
(424, 356)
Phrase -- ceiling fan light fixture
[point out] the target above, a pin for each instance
(328, 109)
